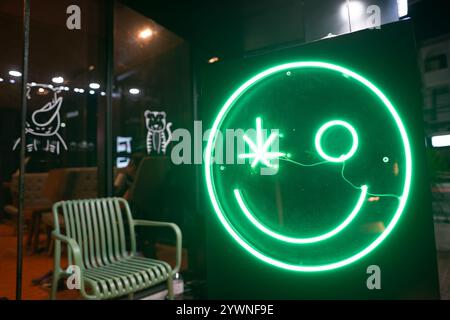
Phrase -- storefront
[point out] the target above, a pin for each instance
(282, 147)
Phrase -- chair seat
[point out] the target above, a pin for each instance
(47, 219)
(14, 211)
(10, 209)
(127, 275)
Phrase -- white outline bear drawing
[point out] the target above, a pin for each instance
(45, 123)
(159, 134)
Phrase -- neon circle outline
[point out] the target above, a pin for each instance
(276, 235)
(210, 182)
(324, 128)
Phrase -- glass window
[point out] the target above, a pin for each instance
(151, 101)
(64, 107)
(437, 62)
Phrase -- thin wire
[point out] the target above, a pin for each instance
(303, 164)
(345, 179)
(369, 193)
(384, 195)
(342, 175)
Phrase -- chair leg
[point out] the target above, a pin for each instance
(31, 227)
(54, 288)
(48, 231)
(170, 288)
(50, 241)
(37, 231)
(51, 247)
(15, 217)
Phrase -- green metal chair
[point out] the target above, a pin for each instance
(100, 239)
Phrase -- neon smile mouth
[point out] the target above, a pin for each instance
(252, 218)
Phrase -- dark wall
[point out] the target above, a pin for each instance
(228, 28)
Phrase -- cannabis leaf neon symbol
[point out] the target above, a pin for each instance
(260, 153)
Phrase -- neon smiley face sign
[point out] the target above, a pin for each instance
(334, 198)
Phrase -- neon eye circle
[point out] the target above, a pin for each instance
(220, 194)
(327, 126)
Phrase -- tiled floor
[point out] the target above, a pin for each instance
(34, 266)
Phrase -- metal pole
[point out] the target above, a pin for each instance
(349, 16)
(26, 45)
(109, 88)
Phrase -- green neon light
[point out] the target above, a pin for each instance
(221, 215)
(260, 153)
(324, 128)
(284, 238)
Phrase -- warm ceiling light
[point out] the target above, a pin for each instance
(134, 91)
(42, 91)
(94, 85)
(146, 33)
(15, 73)
(58, 80)
(213, 59)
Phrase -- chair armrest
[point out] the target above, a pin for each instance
(178, 235)
(77, 259)
(73, 246)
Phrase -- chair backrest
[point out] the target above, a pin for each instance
(72, 183)
(84, 183)
(34, 190)
(56, 187)
(101, 227)
(145, 193)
